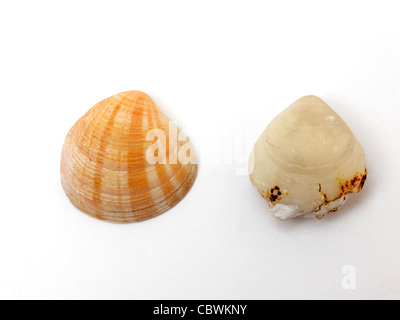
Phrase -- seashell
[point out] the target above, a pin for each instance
(112, 169)
(307, 161)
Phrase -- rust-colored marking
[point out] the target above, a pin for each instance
(354, 185)
(321, 216)
(325, 203)
(364, 178)
(272, 195)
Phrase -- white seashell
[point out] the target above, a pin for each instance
(307, 161)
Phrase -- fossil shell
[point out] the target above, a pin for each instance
(307, 161)
(105, 170)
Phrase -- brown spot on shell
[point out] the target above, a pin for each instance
(354, 185)
(364, 178)
(272, 195)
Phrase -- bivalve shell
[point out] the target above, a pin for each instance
(116, 160)
(307, 161)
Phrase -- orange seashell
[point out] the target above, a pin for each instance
(105, 167)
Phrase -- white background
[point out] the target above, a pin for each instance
(223, 70)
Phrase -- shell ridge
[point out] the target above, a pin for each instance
(100, 159)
